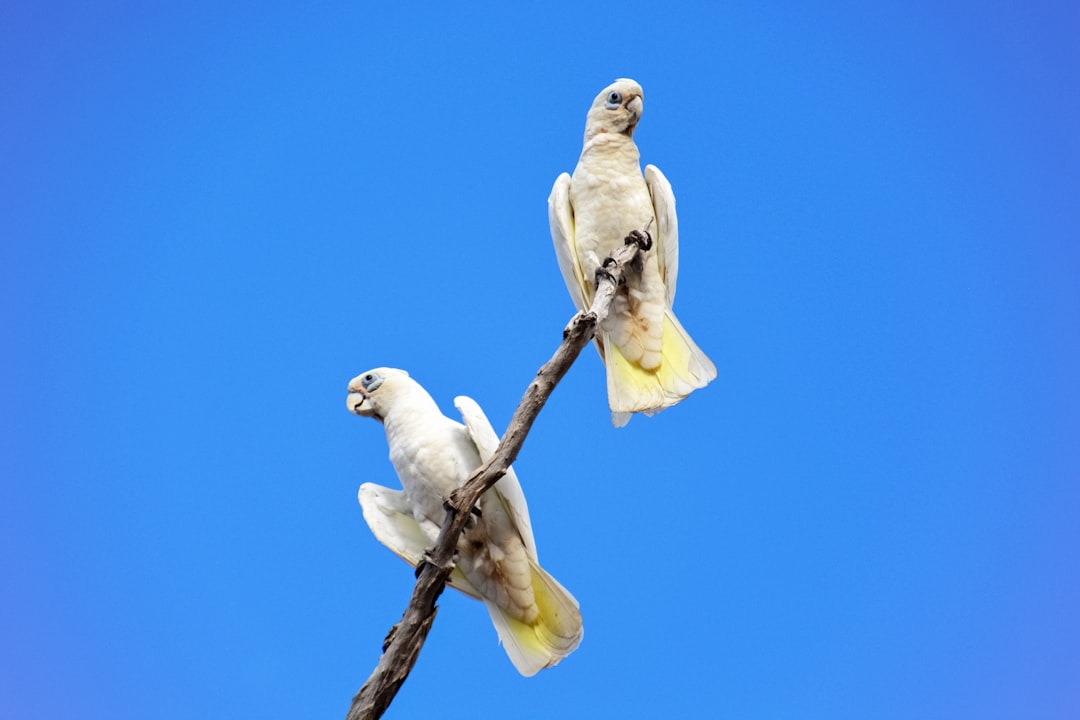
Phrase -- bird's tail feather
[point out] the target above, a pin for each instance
(683, 369)
(553, 635)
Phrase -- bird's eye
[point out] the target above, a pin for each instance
(614, 100)
(371, 381)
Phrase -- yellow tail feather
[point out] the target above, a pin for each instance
(683, 369)
(553, 635)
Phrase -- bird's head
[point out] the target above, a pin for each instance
(617, 109)
(371, 393)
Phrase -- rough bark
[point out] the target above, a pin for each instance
(403, 643)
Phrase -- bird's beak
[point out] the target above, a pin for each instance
(358, 403)
(634, 106)
(355, 403)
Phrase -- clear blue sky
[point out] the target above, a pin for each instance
(213, 217)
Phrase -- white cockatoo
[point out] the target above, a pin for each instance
(537, 620)
(651, 361)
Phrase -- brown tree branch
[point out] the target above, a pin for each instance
(403, 643)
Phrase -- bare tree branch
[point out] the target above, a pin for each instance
(403, 643)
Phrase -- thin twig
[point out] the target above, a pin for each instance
(405, 639)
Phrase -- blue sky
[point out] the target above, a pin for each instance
(213, 217)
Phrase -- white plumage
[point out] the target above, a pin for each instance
(537, 620)
(651, 361)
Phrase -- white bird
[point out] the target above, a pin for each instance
(537, 619)
(651, 361)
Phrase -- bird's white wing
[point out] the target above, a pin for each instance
(390, 518)
(666, 236)
(508, 488)
(561, 220)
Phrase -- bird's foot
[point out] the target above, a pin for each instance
(474, 512)
(602, 272)
(641, 238)
(449, 506)
(428, 559)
